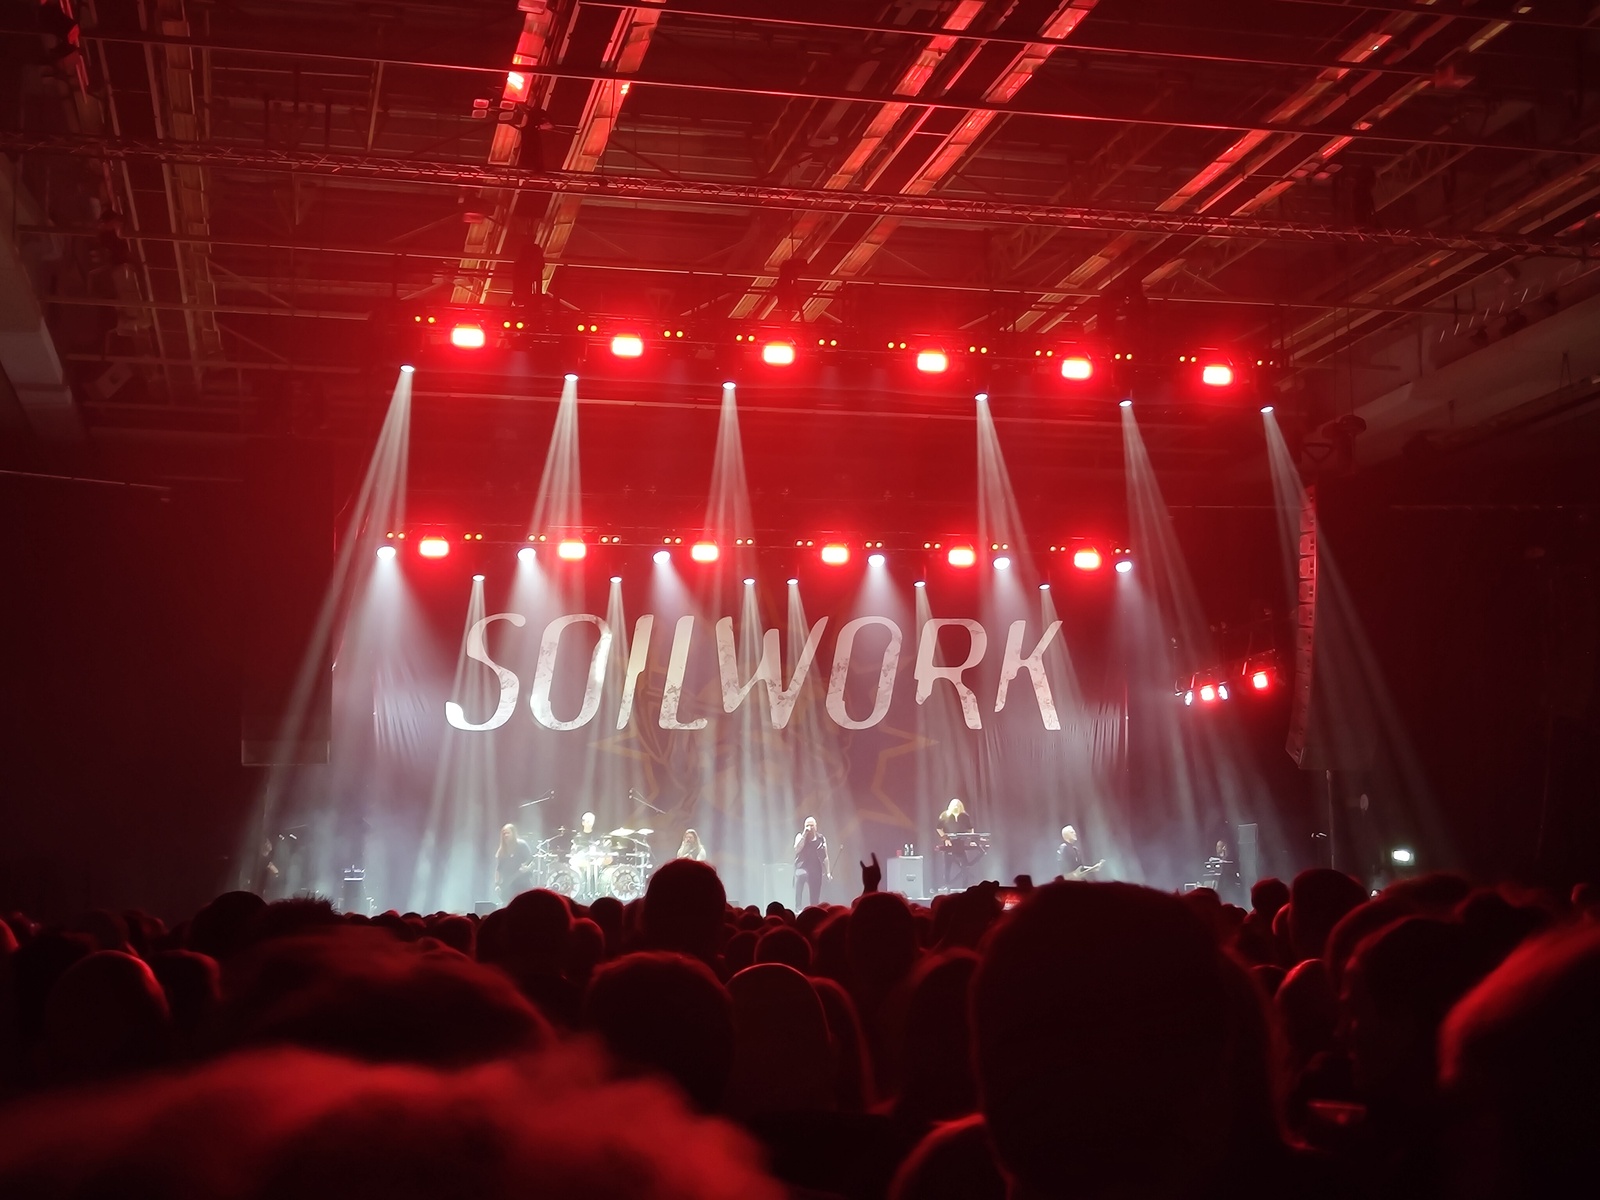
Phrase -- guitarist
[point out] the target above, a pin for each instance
(513, 865)
(1073, 863)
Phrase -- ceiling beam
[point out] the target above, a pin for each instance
(620, 79)
(633, 188)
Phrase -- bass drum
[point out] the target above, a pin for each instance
(624, 881)
(563, 880)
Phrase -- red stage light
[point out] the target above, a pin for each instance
(778, 354)
(703, 552)
(1087, 559)
(468, 337)
(1261, 681)
(961, 556)
(1215, 374)
(932, 362)
(1208, 693)
(517, 84)
(1077, 368)
(627, 345)
(433, 547)
(835, 554)
(571, 549)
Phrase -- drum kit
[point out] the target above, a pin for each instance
(587, 866)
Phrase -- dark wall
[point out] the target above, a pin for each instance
(1475, 578)
(119, 749)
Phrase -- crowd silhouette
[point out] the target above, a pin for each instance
(1096, 1040)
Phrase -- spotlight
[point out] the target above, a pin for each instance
(1124, 403)
(794, 583)
(1403, 856)
(961, 556)
(1222, 691)
(570, 377)
(1188, 697)
(1261, 681)
(778, 354)
(1208, 693)
(627, 345)
(921, 583)
(1087, 559)
(526, 554)
(1124, 565)
(982, 397)
(727, 385)
(406, 369)
(661, 558)
(1002, 563)
(1216, 374)
(932, 362)
(616, 579)
(477, 579)
(703, 552)
(1077, 368)
(835, 554)
(748, 582)
(1044, 587)
(1266, 410)
(874, 560)
(433, 547)
(571, 549)
(467, 337)
(385, 553)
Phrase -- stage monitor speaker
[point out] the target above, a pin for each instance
(1248, 854)
(286, 706)
(905, 876)
(778, 884)
(484, 907)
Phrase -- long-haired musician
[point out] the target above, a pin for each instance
(513, 864)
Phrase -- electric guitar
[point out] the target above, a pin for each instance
(1084, 872)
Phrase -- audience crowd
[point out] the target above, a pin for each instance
(1096, 1040)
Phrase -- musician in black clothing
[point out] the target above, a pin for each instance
(810, 863)
(513, 864)
(1074, 863)
(954, 850)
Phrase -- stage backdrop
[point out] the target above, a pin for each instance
(727, 707)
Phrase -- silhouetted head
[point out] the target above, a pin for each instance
(1317, 899)
(226, 925)
(938, 1086)
(1520, 1058)
(537, 926)
(667, 1013)
(953, 1162)
(683, 909)
(784, 944)
(358, 992)
(1111, 1044)
(1268, 895)
(783, 1055)
(106, 1016)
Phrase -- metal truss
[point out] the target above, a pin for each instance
(634, 188)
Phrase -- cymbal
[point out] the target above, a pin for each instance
(644, 832)
(620, 833)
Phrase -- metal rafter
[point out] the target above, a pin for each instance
(631, 188)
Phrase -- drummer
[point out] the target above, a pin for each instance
(585, 837)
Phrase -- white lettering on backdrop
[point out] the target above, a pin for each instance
(768, 671)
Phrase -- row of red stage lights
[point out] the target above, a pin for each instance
(832, 554)
(1258, 679)
(1076, 366)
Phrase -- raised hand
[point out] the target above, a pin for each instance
(871, 875)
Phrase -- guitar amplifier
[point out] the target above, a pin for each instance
(905, 876)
